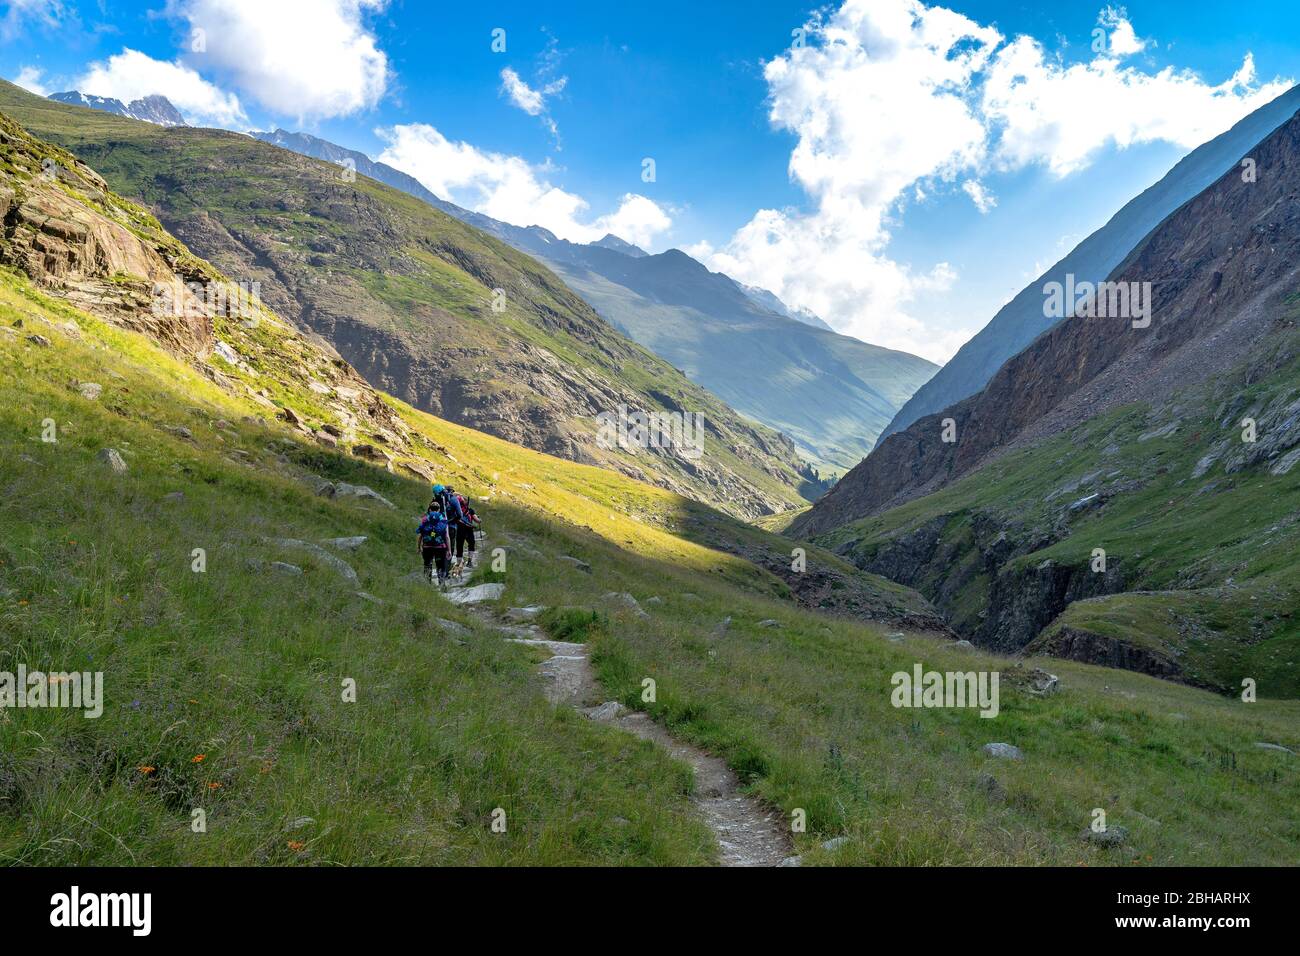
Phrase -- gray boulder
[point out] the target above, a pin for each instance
(113, 458)
(1004, 751)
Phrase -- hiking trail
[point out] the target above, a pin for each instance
(748, 833)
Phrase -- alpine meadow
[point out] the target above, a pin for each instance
(564, 436)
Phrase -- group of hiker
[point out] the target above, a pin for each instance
(447, 530)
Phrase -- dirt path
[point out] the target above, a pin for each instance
(748, 833)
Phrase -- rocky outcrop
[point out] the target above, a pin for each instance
(1219, 269)
(1092, 648)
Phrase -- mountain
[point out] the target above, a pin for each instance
(410, 296)
(234, 577)
(152, 109)
(769, 301)
(737, 341)
(1122, 491)
(1022, 319)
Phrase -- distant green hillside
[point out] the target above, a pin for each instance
(405, 293)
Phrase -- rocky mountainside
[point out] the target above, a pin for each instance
(783, 367)
(1218, 270)
(1123, 493)
(154, 109)
(1021, 320)
(424, 306)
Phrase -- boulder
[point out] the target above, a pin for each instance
(113, 458)
(576, 562)
(290, 570)
(345, 544)
(525, 613)
(90, 391)
(770, 622)
(1004, 751)
(343, 490)
(476, 594)
(624, 600)
(610, 710)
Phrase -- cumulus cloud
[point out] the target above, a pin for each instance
(302, 58)
(131, 74)
(892, 101)
(30, 79)
(532, 100)
(510, 189)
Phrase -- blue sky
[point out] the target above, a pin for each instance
(902, 168)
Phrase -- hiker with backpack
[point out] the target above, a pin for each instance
(470, 523)
(435, 544)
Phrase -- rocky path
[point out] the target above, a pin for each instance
(748, 833)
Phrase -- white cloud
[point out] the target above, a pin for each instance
(1122, 39)
(30, 79)
(532, 101)
(301, 58)
(18, 13)
(131, 74)
(1064, 116)
(508, 188)
(895, 100)
(980, 196)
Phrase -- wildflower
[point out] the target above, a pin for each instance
(214, 785)
(198, 758)
(297, 846)
(146, 769)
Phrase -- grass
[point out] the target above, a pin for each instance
(246, 668)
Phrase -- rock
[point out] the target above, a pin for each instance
(964, 645)
(1264, 746)
(320, 554)
(835, 843)
(525, 613)
(476, 594)
(792, 861)
(227, 353)
(1004, 751)
(451, 627)
(770, 622)
(40, 340)
(610, 710)
(368, 597)
(656, 600)
(1042, 683)
(345, 544)
(576, 562)
(180, 431)
(291, 570)
(723, 626)
(625, 600)
(343, 490)
(1112, 836)
(298, 823)
(90, 391)
(371, 453)
(896, 637)
(1086, 502)
(174, 497)
(112, 458)
(326, 439)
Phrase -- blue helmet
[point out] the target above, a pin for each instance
(438, 489)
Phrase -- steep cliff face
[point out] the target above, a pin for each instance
(1217, 269)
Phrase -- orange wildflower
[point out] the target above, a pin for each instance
(297, 846)
(198, 758)
(146, 769)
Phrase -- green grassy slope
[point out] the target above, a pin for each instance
(405, 293)
(245, 668)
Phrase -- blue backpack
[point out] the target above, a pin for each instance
(433, 530)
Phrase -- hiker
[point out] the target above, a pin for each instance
(470, 523)
(455, 514)
(435, 544)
